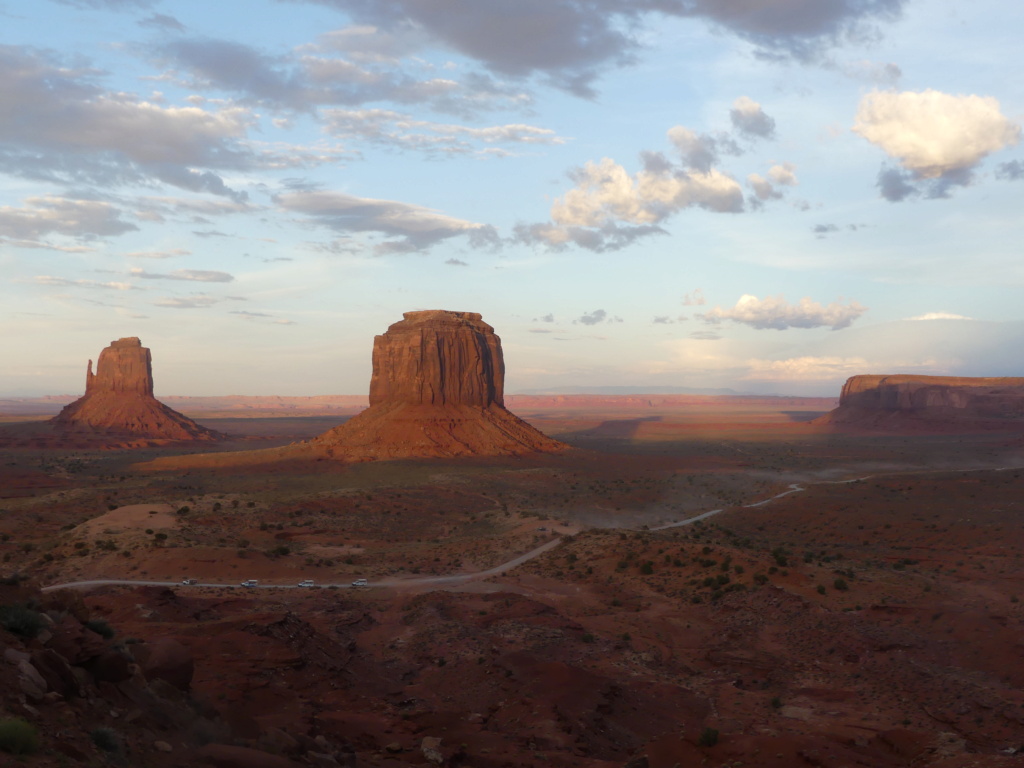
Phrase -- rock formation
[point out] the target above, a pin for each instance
(119, 400)
(437, 390)
(878, 401)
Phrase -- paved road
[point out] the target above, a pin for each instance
(412, 581)
(408, 582)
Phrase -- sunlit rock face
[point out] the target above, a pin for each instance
(874, 400)
(436, 357)
(437, 390)
(119, 400)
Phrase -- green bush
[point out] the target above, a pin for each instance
(708, 737)
(101, 628)
(18, 737)
(21, 620)
(106, 739)
(841, 585)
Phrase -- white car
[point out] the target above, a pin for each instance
(307, 583)
(251, 583)
(360, 583)
(189, 582)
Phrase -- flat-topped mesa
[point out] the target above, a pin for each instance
(875, 400)
(124, 366)
(119, 400)
(436, 357)
(437, 391)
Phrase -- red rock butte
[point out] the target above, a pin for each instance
(119, 400)
(437, 390)
(878, 401)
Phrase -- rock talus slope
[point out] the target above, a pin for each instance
(119, 399)
(873, 400)
(437, 390)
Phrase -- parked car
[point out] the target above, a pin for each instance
(360, 583)
(189, 582)
(251, 583)
(307, 583)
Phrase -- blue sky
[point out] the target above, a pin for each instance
(763, 195)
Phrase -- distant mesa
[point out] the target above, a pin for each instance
(437, 390)
(119, 400)
(896, 401)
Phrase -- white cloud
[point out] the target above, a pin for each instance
(933, 133)
(940, 316)
(806, 368)
(62, 281)
(605, 192)
(168, 254)
(775, 312)
(195, 275)
(62, 216)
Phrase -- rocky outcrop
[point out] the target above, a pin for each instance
(437, 390)
(119, 400)
(877, 401)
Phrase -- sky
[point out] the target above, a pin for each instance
(766, 196)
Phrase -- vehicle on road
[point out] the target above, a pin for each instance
(307, 583)
(360, 583)
(189, 582)
(251, 583)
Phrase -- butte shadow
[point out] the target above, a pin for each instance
(437, 391)
(118, 409)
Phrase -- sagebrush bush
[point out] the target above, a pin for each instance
(18, 737)
(21, 620)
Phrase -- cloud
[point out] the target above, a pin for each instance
(407, 227)
(162, 22)
(775, 312)
(820, 230)
(940, 316)
(694, 298)
(114, 5)
(195, 275)
(304, 80)
(456, 262)
(593, 318)
(397, 129)
(61, 281)
(81, 219)
(663, 320)
(200, 301)
(168, 254)
(750, 120)
(1012, 170)
(705, 335)
(58, 125)
(569, 42)
(938, 138)
(778, 176)
(806, 368)
(248, 315)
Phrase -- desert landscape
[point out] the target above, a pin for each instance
(604, 581)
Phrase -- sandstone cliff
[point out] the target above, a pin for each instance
(119, 400)
(437, 390)
(875, 401)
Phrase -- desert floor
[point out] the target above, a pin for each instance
(855, 601)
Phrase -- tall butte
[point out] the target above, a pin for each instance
(119, 400)
(437, 390)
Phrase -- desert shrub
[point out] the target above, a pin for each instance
(841, 585)
(821, 589)
(708, 737)
(21, 620)
(13, 580)
(647, 568)
(18, 737)
(101, 628)
(587, 637)
(776, 702)
(106, 739)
